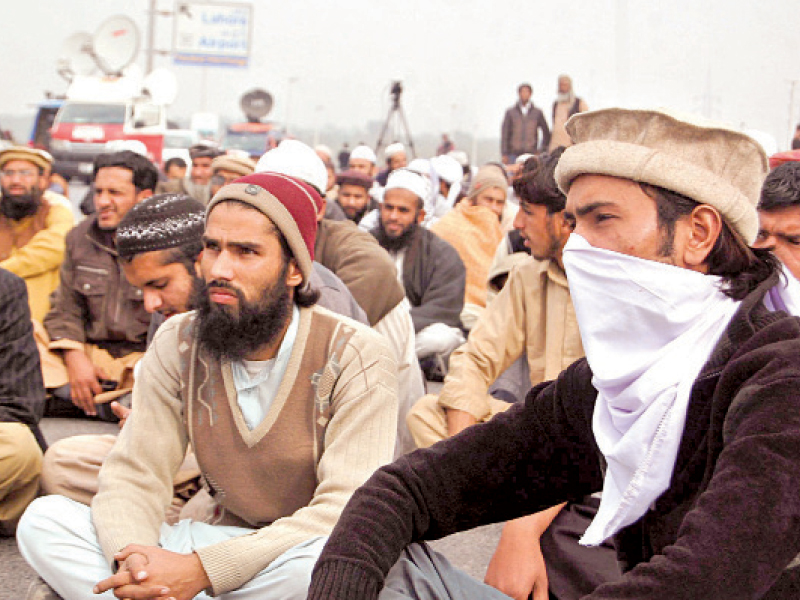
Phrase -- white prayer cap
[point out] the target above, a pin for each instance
(393, 149)
(447, 168)
(294, 158)
(460, 156)
(421, 166)
(323, 149)
(405, 179)
(136, 146)
(364, 153)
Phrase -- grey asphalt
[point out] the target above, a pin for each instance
(470, 550)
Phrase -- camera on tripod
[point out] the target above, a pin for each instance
(396, 91)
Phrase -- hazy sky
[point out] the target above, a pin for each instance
(460, 60)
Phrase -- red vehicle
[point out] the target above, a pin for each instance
(82, 129)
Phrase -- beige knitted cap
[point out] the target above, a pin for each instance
(488, 176)
(704, 161)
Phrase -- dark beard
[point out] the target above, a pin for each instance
(360, 214)
(19, 206)
(394, 244)
(235, 335)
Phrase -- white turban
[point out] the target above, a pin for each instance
(393, 149)
(447, 168)
(295, 159)
(404, 179)
(364, 153)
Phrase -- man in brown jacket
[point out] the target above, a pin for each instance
(522, 124)
(97, 327)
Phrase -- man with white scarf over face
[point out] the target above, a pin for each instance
(685, 411)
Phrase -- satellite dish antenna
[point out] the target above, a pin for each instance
(75, 57)
(115, 44)
(256, 104)
(161, 86)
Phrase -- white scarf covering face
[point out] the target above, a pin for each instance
(647, 329)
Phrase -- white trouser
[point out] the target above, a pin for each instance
(397, 327)
(438, 339)
(57, 538)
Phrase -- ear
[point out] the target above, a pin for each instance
(695, 236)
(420, 216)
(563, 226)
(294, 277)
(143, 194)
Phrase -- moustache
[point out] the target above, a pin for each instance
(216, 283)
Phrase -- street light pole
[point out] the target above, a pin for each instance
(151, 33)
(792, 85)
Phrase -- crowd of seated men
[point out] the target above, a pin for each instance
(263, 333)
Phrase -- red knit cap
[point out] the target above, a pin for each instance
(289, 203)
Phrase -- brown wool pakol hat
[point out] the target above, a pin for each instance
(40, 158)
(704, 161)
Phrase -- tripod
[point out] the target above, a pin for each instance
(396, 119)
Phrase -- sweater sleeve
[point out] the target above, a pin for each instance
(45, 250)
(535, 455)
(135, 483)
(360, 437)
(496, 341)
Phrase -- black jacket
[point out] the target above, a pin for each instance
(21, 386)
(727, 527)
(434, 279)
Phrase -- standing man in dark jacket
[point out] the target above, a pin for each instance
(521, 126)
(429, 268)
(21, 404)
(97, 327)
(685, 411)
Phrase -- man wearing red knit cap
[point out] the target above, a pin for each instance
(289, 409)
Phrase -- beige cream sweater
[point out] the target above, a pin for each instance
(136, 479)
